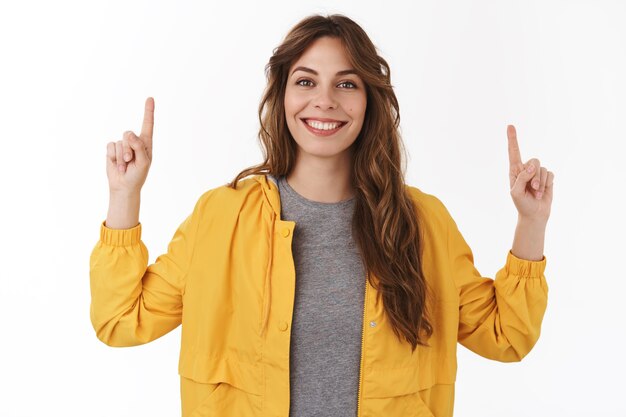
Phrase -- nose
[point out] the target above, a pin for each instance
(325, 99)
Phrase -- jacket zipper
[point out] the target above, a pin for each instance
(358, 409)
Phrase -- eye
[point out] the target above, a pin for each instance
(346, 84)
(350, 83)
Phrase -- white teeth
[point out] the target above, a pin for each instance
(323, 126)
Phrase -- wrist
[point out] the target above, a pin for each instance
(124, 194)
(536, 224)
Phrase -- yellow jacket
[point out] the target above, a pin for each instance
(229, 270)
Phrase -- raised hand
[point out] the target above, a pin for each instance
(531, 184)
(129, 159)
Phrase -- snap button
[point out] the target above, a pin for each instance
(372, 324)
(285, 232)
(282, 326)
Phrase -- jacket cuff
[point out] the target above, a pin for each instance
(120, 237)
(524, 268)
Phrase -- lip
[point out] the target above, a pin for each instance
(322, 119)
(319, 132)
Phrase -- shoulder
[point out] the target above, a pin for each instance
(225, 199)
(430, 209)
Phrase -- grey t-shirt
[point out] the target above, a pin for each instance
(328, 308)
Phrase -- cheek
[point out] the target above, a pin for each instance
(293, 104)
(355, 108)
(288, 104)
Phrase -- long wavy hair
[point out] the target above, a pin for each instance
(385, 222)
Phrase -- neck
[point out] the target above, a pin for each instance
(322, 180)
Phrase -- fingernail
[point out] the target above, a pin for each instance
(539, 194)
(127, 157)
(536, 185)
(530, 168)
(121, 167)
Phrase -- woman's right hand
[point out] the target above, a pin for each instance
(127, 175)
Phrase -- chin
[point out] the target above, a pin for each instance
(323, 150)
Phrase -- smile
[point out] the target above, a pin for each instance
(323, 128)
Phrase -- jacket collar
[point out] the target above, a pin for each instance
(269, 185)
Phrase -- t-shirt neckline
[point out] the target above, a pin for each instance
(294, 194)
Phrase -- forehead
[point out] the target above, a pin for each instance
(324, 54)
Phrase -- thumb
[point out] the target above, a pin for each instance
(141, 155)
(523, 178)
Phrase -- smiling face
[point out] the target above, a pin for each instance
(325, 101)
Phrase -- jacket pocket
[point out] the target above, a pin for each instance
(229, 387)
(226, 400)
(395, 391)
(209, 370)
(393, 382)
(194, 395)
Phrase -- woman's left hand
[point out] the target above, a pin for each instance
(531, 184)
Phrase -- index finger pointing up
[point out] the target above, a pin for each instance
(148, 119)
(515, 159)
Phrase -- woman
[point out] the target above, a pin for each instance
(318, 282)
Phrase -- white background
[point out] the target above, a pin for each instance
(75, 75)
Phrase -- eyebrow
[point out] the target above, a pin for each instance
(312, 71)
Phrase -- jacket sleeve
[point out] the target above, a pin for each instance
(133, 303)
(499, 319)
